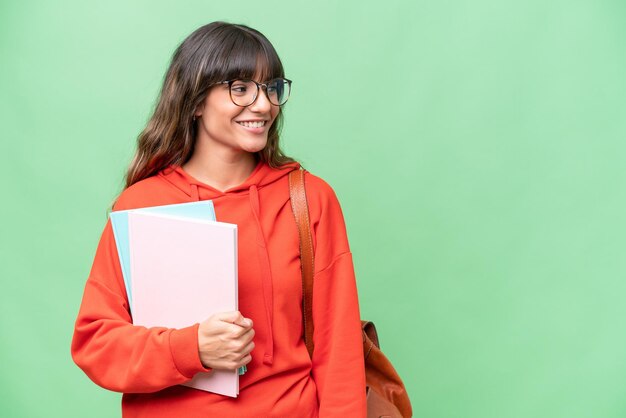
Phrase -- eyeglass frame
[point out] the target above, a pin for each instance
(258, 87)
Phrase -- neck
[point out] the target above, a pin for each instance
(220, 171)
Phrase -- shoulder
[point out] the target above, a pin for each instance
(318, 187)
(135, 195)
(320, 195)
(327, 222)
(151, 191)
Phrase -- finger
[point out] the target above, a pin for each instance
(244, 322)
(238, 332)
(245, 360)
(235, 317)
(230, 317)
(240, 348)
(247, 336)
(248, 348)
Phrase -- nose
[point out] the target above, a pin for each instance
(261, 104)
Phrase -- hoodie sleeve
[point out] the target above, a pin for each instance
(113, 352)
(338, 368)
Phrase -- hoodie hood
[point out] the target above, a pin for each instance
(262, 176)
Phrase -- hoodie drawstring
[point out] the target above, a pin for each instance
(267, 285)
(266, 275)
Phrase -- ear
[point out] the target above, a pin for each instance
(198, 112)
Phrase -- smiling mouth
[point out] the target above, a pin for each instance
(256, 124)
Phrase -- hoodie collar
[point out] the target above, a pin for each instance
(261, 176)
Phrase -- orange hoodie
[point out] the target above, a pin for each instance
(149, 364)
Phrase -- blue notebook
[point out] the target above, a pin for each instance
(119, 221)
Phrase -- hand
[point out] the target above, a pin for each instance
(225, 341)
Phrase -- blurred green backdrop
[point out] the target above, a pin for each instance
(477, 148)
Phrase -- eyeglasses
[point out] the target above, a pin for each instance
(244, 92)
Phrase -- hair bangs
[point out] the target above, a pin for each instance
(248, 57)
(269, 65)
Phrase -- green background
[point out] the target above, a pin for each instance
(477, 148)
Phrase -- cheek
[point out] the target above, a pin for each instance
(274, 114)
(225, 120)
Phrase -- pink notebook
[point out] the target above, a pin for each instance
(184, 270)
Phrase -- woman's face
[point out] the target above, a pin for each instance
(223, 124)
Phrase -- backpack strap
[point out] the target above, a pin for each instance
(300, 208)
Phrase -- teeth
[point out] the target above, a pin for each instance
(258, 124)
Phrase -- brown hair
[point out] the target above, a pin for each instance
(212, 53)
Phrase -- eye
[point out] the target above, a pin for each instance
(238, 88)
(275, 86)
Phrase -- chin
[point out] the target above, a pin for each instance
(254, 146)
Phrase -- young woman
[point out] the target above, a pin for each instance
(215, 135)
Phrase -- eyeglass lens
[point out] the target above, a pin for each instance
(244, 92)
